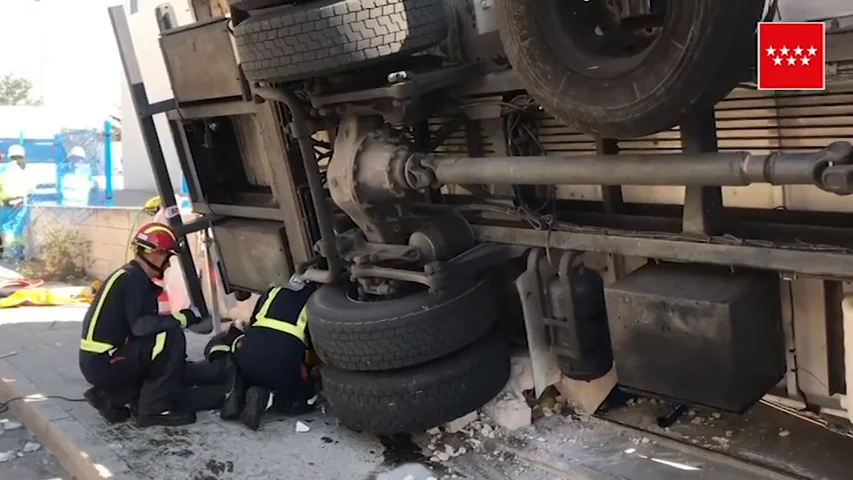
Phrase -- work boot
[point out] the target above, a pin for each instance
(257, 401)
(236, 396)
(166, 419)
(111, 413)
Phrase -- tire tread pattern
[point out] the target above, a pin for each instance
(289, 43)
(371, 336)
(419, 398)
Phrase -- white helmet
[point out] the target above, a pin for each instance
(77, 152)
(16, 151)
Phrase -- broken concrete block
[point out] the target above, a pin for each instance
(587, 396)
(301, 427)
(460, 423)
(6, 456)
(521, 372)
(10, 425)
(30, 447)
(508, 410)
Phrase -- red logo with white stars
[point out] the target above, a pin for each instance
(791, 56)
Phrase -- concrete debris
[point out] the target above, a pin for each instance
(509, 410)
(31, 447)
(487, 431)
(409, 477)
(10, 425)
(696, 421)
(521, 373)
(644, 440)
(301, 427)
(784, 433)
(729, 433)
(460, 423)
(434, 431)
(443, 456)
(724, 442)
(716, 415)
(6, 456)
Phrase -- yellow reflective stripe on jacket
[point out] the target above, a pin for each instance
(181, 318)
(89, 344)
(220, 348)
(263, 320)
(159, 345)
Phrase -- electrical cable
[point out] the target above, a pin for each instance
(4, 406)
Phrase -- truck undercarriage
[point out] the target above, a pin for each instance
(455, 186)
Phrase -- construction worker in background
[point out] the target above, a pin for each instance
(15, 203)
(152, 208)
(131, 354)
(269, 354)
(78, 182)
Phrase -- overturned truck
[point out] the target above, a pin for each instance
(596, 181)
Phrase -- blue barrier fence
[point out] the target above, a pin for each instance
(55, 179)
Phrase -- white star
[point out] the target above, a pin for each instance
(770, 51)
(784, 51)
(792, 61)
(798, 51)
(812, 51)
(777, 61)
(805, 60)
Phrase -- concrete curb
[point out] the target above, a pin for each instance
(74, 460)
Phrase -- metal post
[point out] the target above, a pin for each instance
(58, 157)
(611, 197)
(132, 72)
(211, 280)
(108, 163)
(703, 206)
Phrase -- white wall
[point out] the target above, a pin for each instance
(143, 26)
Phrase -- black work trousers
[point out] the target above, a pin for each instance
(274, 360)
(151, 373)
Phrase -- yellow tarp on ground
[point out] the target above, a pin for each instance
(47, 296)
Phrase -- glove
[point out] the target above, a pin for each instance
(188, 317)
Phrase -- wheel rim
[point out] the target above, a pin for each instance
(602, 38)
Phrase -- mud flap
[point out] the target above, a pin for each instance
(529, 284)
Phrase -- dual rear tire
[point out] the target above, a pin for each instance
(408, 364)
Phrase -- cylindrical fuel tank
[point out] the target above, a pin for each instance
(579, 333)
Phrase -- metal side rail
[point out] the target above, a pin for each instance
(145, 111)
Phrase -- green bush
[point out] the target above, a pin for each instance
(63, 256)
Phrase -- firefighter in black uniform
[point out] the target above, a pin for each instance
(130, 353)
(269, 357)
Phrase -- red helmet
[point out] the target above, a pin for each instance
(156, 237)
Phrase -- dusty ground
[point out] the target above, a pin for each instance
(44, 342)
(29, 460)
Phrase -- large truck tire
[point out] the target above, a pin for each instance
(400, 332)
(418, 398)
(702, 50)
(324, 37)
